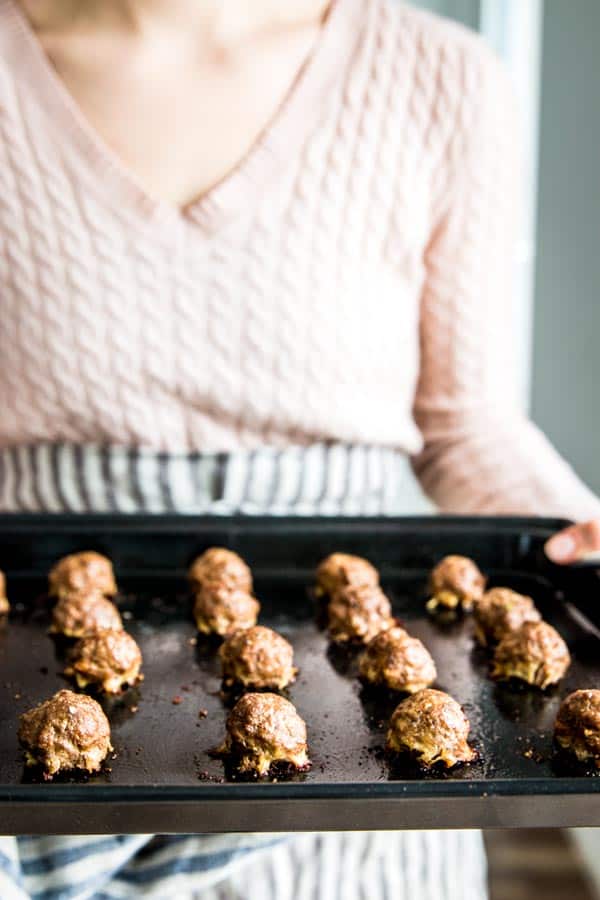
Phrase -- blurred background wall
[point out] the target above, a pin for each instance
(566, 357)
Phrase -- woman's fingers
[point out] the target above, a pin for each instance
(574, 543)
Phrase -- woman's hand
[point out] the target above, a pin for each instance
(574, 543)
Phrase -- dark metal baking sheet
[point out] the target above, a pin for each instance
(163, 779)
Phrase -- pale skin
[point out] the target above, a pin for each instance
(211, 72)
(131, 64)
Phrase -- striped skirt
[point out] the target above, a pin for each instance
(322, 479)
(318, 480)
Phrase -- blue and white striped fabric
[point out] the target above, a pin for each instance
(322, 479)
(426, 865)
(334, 866)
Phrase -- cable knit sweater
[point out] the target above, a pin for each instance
(349, 281)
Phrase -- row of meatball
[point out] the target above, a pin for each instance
(524, 646)
(104, 655)
(263, 730)
(70, 730)
(429, 726)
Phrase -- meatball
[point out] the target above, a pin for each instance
(257, 657)
(219, 609)
(221, 566)
(577, 727)
(4, 604)
(81, 615)
(455, 581)
(500, 611)
(341, 569)
(398, 661)
(81, 573)
(109, 659)
(535, 653)
(263, 729)
(431, 727)
(68, 731)
(358, 613)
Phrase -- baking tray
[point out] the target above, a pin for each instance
(163, 779)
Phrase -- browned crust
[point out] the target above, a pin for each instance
(263, 729)
(257, 657)
(340, 569)
(358, 613)
(219, 609)
(432, 729)
(535, 654)
(108, 659)
(397, 661)
(499, 611)
(455, 582)
(78, 616)
(68, 731)
(82, 573)
(221, 566)
(577, 727)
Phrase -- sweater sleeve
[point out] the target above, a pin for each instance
(481, 454)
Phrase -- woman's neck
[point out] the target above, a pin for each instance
(225, 21)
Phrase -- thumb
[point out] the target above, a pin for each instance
(574, 543)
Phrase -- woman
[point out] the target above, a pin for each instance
(256, 257)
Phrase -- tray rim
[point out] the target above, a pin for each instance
(170, 523)
(176, 521)
(105, 793)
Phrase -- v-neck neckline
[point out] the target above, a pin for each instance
(248, 179)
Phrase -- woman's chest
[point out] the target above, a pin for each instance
(279, 333)
(279, 293)
(179, 114)
(300, 307)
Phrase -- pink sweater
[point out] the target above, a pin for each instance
(349, 281)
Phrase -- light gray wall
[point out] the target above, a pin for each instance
(566, 369)
(465, 11)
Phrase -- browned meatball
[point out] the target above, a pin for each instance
(358, 613)
(82, 573)
(535, 653)
(257, 657)
(80, 615)
(499, 611)
(340, 569)
(397, 661)
(4, 604)
(577, 727)
(431, 727)
(109, 659)
(68, 731)
(221, 566)
(455, 581)
(263, 729)
(219, 609)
